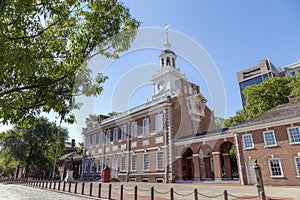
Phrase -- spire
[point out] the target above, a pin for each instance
(167, 44)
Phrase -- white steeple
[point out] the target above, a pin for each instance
(167, 44)
(167, 80)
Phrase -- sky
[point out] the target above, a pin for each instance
(213, 41)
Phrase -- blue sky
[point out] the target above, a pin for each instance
(234, 34)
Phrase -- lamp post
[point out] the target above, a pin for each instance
(56, 150)
(259, 182)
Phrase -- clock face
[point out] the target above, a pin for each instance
(161, 85)
(178, 84)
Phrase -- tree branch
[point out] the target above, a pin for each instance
(33, 86)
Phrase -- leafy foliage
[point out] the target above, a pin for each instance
(295, 85)
(239, 117)
(44, 50)
(219, 122)
(33, 147)
(264, 96)
(91, 121)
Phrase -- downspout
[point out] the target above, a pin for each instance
(170, 146)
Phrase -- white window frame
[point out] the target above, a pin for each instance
(289, 134)
(146, 126)
(94, 140)
(146, 163)
(157, 160)
(266, 141)
(270, 168)
(134, 129)
(159, 122)
(116, 135)
(99, 164)
(124, 132)
(133, 162)
(297, 165)
(244, 143)
(107, 136)
(101, 138)
(123, 164)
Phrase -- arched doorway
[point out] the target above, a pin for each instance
(187, 165)
(229, 162)
(206, 163)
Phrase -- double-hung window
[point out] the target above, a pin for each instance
(269, 138)
(134, 129)
(297, 165)
(116, 134)
(133, 162)
(294, 135)
(124, 132)
(94, 140)
(108, 136)
(248, 142)
(101, 138)
(146, 126)
(159, 122)
(160, 160)
(146, 162)
(275, 167)
(123, 163)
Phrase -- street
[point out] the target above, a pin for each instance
(17, 191)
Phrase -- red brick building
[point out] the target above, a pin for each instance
(273, 139)
(139, 144)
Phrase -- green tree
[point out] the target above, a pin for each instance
(266, 95)
(239, 117)
(219, 122)
(113, 113)
(80, 148)
(91, 121)
(33, 148)
(295, 85)
(44, 50)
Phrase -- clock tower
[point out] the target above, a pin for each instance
(167, 80)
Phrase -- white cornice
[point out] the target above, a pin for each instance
(203, 139)
(265, 125)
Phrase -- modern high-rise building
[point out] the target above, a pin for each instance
(292, 69)
(255, 75)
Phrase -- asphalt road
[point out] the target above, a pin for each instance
(16, 192)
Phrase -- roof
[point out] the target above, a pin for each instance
(203, 134)
(167, 51)
(69, 155)
(281, 112)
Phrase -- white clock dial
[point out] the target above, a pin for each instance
(161, 85)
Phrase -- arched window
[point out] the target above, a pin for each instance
(168, 61)
(173, 62)
(162, 62)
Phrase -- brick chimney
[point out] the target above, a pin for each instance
(293, 98)
(102, 117)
